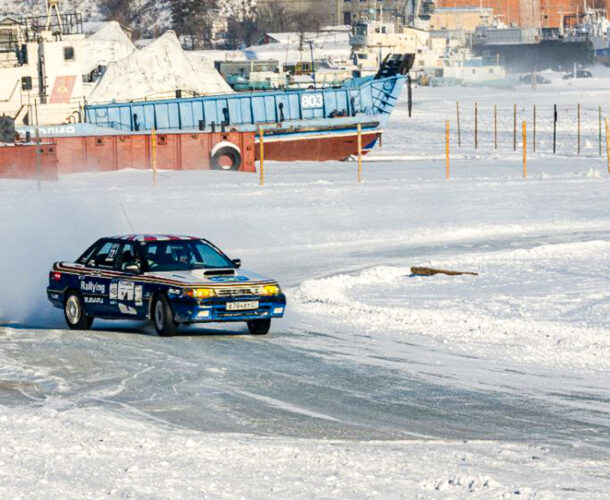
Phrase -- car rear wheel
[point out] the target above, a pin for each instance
(259, 326)
(163, 317)
(75, 313)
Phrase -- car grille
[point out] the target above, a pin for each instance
(237, 292)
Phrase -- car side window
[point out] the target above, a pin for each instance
(127, 255)
(106, 256)
(90, 253)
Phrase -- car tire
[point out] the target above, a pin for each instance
(163, 318)
(226, 152)
(259, 326)
(75, 313)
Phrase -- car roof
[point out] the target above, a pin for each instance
(152, 237)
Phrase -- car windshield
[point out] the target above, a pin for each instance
(183, 256)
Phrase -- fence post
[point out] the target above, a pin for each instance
(476, 125)
(524, 149)
(38, 161)
(459, 126)
(578, 129)
(261, 143)
(534, 138)
(447, 166)
(515, 128)
(555, 129)
(495, 127)
(359, 152)
(153, 143)
(600, 131)
(608, 143)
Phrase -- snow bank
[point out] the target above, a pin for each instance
(94, 453)
(158, 70)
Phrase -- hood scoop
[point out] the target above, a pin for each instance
(219, 272)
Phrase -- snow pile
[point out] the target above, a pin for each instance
(158, 70)
(92, 453)
(108, 44)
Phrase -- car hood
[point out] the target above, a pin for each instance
(208, 277)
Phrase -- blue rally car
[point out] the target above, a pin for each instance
(168, 279)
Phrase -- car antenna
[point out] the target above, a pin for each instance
(127, 217)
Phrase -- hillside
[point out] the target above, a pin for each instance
(143, 15)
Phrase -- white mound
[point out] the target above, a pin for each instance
(156, 71)
(107, 45)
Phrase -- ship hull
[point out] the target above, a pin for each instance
(546, 54)
(78, 152)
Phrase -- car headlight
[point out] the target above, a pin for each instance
(271, 290)
(200, 293)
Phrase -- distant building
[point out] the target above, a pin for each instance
(343, 11)
(460, 18)
(529, 13)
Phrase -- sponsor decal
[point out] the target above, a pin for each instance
(94, 300)
(228, 279)
(127, 310)
(126, 290)
(138, 295)
(174, 291)
(93, 287)
(114, 291)
(55, 296)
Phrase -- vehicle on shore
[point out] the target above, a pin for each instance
(170, 280)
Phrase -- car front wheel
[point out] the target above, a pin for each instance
(259, 326)
(75, 314)
(163, 317)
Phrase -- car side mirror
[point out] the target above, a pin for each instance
(236, 263)
(132, 268)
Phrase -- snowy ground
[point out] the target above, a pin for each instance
(376, 383)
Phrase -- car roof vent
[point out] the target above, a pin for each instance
(220, 272)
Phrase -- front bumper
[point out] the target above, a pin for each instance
(215, 310)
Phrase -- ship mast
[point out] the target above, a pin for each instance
(53, 5)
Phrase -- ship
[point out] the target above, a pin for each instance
(49, 95)
(581, 40)
(227, 131)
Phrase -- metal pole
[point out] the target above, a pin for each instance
(153, 142)
(600, 131)
(313, 64)
(495, 127)
(515, 128)
(359, 152)
(608, 143)
(579, 129)
(38, 161)
(555, 130)
(535, 120)
(261, 142)
(476, 125)
(410, 94)
(447, 151)
(459, 126)
(524, 149)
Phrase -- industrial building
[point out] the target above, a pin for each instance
(530, 13)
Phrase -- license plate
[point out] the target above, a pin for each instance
(242, 306)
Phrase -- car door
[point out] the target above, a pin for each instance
(95, 283)
(126, 291)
